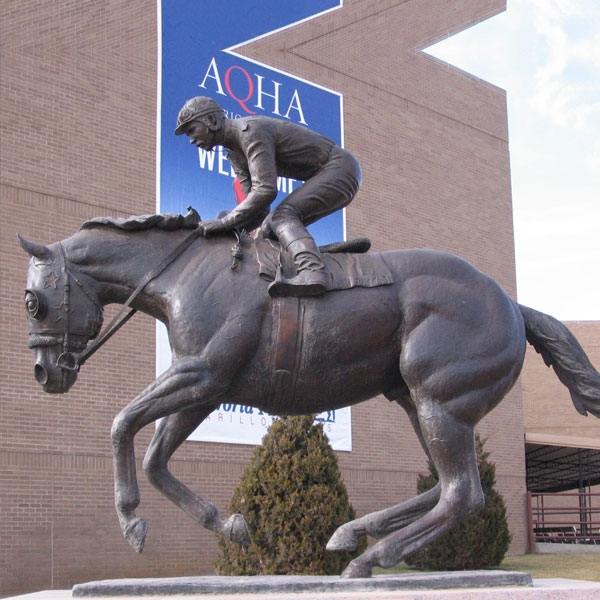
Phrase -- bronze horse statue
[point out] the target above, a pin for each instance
(442, 339)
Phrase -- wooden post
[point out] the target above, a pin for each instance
(530, 537)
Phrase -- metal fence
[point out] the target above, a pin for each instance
(563, 518)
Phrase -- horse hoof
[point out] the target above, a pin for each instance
(342, 540)
(135, 534)
(236, 530)
(357, 570)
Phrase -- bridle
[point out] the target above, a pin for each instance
(36, 306)
(67, 360)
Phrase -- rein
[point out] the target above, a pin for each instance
(71, 362)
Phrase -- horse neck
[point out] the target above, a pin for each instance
(116, 262)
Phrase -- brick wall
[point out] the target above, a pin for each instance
(548, 409)
(78, 140)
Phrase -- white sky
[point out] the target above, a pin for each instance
(546, 54)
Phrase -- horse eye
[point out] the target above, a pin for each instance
(35, 305)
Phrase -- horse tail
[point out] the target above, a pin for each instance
(561, 351)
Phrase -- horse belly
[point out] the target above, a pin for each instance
(346, 351)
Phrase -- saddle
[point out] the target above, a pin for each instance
(347, 264)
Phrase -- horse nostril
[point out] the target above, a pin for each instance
(41, 375)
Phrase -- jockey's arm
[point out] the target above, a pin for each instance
(257, 202)
(242, 174)
(259, 183)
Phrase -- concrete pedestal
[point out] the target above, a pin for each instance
(272, 584)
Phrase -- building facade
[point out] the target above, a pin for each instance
(562, 446)
(78, 122)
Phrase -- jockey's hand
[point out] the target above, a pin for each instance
(212, 227)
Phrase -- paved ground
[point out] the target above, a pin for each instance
(543, 589)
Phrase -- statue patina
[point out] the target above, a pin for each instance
(259, 149)
(427, 330)
(291, 329)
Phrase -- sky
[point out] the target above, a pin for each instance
(546, 55)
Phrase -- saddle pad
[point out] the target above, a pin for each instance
(344, 270)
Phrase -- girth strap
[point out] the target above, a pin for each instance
(286, 351)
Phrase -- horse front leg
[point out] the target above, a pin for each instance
(170, 434)
(186, 383)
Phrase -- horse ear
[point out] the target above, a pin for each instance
(192, 218)
(37, 250)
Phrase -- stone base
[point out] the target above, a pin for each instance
(265, 584)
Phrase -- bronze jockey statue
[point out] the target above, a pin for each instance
(260, 150)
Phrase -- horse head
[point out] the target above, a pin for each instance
(62, 315)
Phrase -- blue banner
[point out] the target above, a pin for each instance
(198, 58)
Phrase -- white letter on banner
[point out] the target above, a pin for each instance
(203, 156)
(213, 67)
(222, 159)
(297, 107)
(260, 94)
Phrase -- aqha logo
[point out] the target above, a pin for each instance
(252, 91)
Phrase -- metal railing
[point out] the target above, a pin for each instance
(563, 518)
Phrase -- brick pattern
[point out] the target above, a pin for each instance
(78, 140)
(548, 408)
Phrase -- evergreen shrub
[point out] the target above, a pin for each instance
(479, 542)
(293, 499)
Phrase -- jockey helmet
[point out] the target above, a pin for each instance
(196, 107)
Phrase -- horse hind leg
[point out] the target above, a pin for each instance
(451, 444)
(383, 522)
(170, 434)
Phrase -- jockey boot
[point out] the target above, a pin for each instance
(310, 279)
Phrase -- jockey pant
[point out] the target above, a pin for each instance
(331, 188)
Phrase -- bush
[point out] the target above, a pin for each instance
(293, 499)
(478, 542)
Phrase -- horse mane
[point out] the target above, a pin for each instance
(162, 222)
(173, 222)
